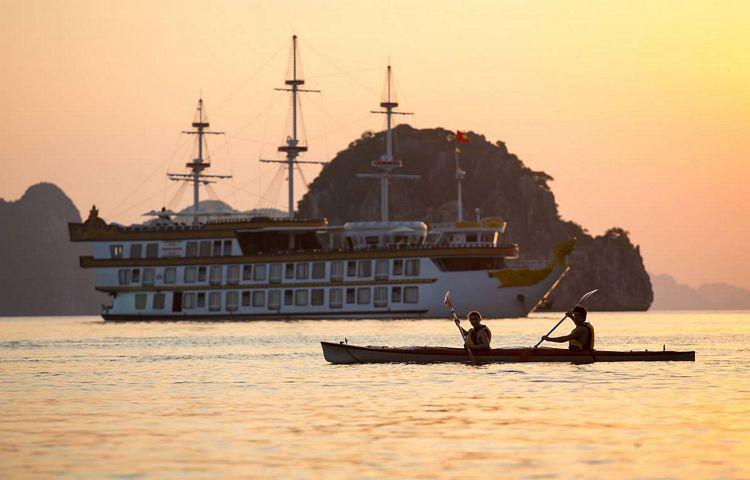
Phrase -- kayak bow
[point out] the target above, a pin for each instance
(340, 353)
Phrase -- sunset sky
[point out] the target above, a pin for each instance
(639, 110)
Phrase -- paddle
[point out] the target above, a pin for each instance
(449, 303)
(582, 302)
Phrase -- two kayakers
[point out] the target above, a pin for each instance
(582, 337)
(478, 337)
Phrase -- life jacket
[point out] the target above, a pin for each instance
(575, 344)
(471, 338)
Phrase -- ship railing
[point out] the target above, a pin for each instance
(388, 248)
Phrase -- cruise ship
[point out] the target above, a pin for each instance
(262, 268)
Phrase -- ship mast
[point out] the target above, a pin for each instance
(198, 164)
(387, 163)
(292, 147)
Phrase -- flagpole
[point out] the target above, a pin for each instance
(459, 178)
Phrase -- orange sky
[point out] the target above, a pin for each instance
(639, 110)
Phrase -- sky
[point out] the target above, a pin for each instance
(640, 111)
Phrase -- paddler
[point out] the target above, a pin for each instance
(582, 337)
(478, 337)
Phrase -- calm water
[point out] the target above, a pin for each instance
(85, 399)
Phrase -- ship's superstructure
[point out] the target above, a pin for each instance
(263, 268)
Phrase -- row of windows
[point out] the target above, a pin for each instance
(273, 272)
(204, 248)
(145, 276)
(273, 299)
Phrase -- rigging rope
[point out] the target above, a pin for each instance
(252, 75)
(341, 70)
(172, 205)
(118, 208)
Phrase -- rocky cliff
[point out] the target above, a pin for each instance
(40, 273)
(499, 184)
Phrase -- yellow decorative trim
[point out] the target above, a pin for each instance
(94, 229)
(526, 277)
(562, 250)
(520, 278)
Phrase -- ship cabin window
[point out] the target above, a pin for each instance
(317, 296)
(303, 271)
(135, 276)
(412, 268)
(188, 300)
(337, 271)
(335, 298)
(214, 301)
(351, 295)
(275, 273)
(123, 276)
(398, 267)
(217, 248)
(227, 248)
(396, 295)
(233, 274)
(246, 298)
(191, 250)
(170, 275)
(136, 250)
(115, 251)
(205, 248)
(381, 269)
(300, 298)
(365, 268)
(140, 301)
(158, 301)
(363, 295)
(152, 250)
(351, 268)
(233, 300)
(216, 274)
(200, 300)
(471, 238)
(289, 271)
(259, 273)
(148, 276)
(381, 296)
(288, 297)
(318, 270)
(274, 299)
(201, 274)
(247, 273)
(411, 294)
(259, 298)
(190, 274)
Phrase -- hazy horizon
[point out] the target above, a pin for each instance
(639, 112)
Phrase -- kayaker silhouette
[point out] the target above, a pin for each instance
(581, 337)
(478, 337)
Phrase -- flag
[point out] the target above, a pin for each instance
(462, 137)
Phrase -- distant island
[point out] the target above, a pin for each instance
(41, 275)
(671, 295)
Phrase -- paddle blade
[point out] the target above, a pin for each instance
(585, 298)
(447, 300)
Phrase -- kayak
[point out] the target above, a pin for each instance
(342, 353)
